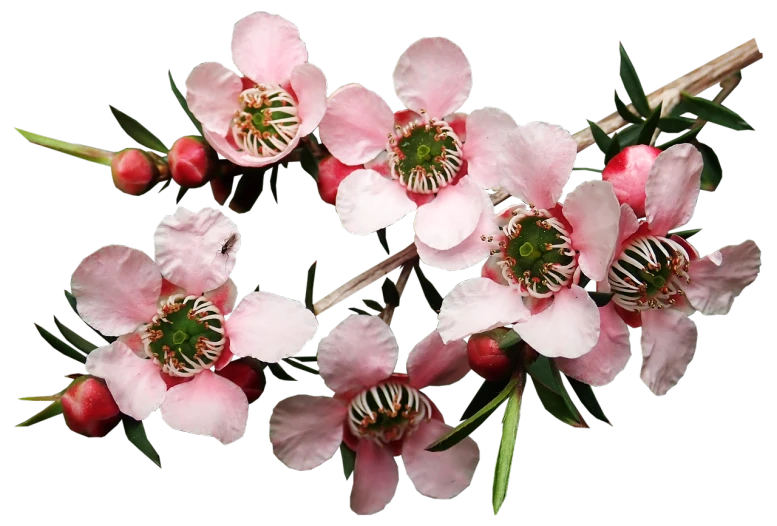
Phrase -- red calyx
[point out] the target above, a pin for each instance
(331, 173)
(248, 374)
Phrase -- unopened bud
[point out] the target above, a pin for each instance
(134, 171)
(192, 161)
(486, 358)
(331, 173)
(628, 172)
(248, 374)
(88, 407)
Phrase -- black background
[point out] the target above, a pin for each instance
(76, 64)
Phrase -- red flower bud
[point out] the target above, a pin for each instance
(486, 358)
(134, 171)
(628, 172)
(331, 173)
(248, 374)
(89, 408)
(192, 161)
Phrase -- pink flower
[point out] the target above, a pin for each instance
(169, 317)
(538, 251)
(658, 279)
(417, 158)
(378, 413)
(258, 119)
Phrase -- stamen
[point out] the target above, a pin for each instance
(388, 412)
(267, 122)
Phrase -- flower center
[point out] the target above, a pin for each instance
(267, 121)
(648, 273)
(424, 157)
(388, 412)
(186, 335)
(538, 255)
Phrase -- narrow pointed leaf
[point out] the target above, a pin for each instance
(712, 173)
(487, 392)
(77, 341)
(390, 293)
(164, 186)
(300, 366)
(629, 135)
(359, 311)
(383, 240)
(308, 162)
(585, 394)
(685, 234)
(374, 305)
(687, 137)
(60, 346)
(625, 112)
(464, 429)
(181, 192)
(51, 411)
(248, 190)
(280, 373)
(553, 395)
(349, 459)
(309, 287)
(430, 292)
(274, 182)
(504, 459)
(306, 358)
(633, 85)
(649, 127)
(138, 132)
(87, 153)
(511, 339)
(614, 149)
(136, 434)
(600, 137)
(713, 112)
(674, 124)
(184, 104)
(49, 398)
(600, 298)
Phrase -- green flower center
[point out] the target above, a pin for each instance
(388, 412)
(267, 121)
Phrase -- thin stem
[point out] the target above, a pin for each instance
(388, 311)
(95, 155)
(587, 169)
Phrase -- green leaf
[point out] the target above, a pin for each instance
(374, 305)
(274, 182)
(713, 112)
(464, 429)
(73, 305)
(511, 339)
(83, 152)
(504, 459)
(308, 162)
(586, 395)
(280, 373)
(625, 112)
(349, 459)
(60, 346)
(181, 192)
(183, 103)
(138, 132)
(300, 366)
(487, 392)
(649, 127)
(52, 410)
(164, 186)
(552, 393)
(712, 173)
(136, 434)
(383, 240)
(687, 137)
(629, 135)
(309, 287)
(306, 358)
(248, 190)
(685, 234)
(674, 124)
(80, 343)
(390, 293)
(430, 292)
(601, 298)
(633, 85)
(600, 137)
(614, 149)
(359, 311)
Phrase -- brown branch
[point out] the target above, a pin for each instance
(388, 311)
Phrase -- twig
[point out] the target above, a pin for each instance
(388, 311)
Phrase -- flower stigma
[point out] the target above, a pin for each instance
(267, 121)
(388, 412)
(185, 336)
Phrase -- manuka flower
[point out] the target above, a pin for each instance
(170, 320)
(259, 119)
(378, 413)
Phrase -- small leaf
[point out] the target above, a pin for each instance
(308, 162)
(614, 149)
(487, 392)
(60, 346)
(300, 366)
(136, 434)
(713, 112)
(359, 311)
(48, 398)
(349, 459)
(52, 410)
(511, 339)
(430, 293)
(390, 293)
(504, 459)
(649, 127)
(625, 112)
(79, 342)
(633, 85)
(306, 358)
(685, 234)
(687, 137)
(274, 182)
(374, 305)
(601, 298)
(586, 396)
(181, 192)
(600, 137)
(248, 190)
(309, 287)
(183, 103)
(552, 393)
(280, 373)
(629, 135)
(464, 429)
(383, 240)
(674, 124)
(72, 301)
(96, 155)
(712, 173)
(138, 132)
(164, 186)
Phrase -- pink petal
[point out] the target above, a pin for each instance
(269, 327)
(267, 48)
(212, 93)
(134, 340)
(432, 362)
(189, 249)
(375, 478)
(306, 431)
(536, 163)
(224, 297)
(627, 225)
(451, 217)
(668, 345)
(359, 353)
(208, 405)
(433, 75)
(609, 356)
(116, 289)
(440, 475)
(367, 201)
(477, 305)
(487, 130)
(720, 277)
(225, 148)
(356, 125)
(568, 328)
(472, 249)
(673, 187)
(493, 271)
(594, 213)
(309, 85)
(134, 382)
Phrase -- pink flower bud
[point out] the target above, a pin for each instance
(628, 172)
(331, 172)
(89, 408)
(192, 161)
(248, 374)
(134, 171)
(485, 356)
